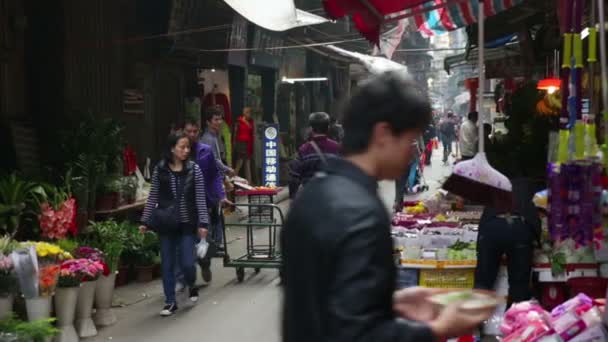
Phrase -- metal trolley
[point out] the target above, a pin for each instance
(261, 252)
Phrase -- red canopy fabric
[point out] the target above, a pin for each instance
(366, 21)
(431, 17)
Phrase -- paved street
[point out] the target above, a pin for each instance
(227, 310)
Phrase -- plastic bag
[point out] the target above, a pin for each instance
(202, 248)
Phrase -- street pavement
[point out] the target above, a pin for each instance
(227, 311)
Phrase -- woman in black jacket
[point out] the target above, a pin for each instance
(177, 183)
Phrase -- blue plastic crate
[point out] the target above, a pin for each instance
(407, 277)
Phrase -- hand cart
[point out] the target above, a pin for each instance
(260, 252)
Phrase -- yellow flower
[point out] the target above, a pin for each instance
(54, 249)
(43, 253)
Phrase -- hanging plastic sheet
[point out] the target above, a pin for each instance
(275, 15)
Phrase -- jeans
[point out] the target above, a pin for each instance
(216, 233)
(447, 148)
(496, 237)
(169, 247)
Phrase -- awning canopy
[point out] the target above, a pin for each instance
(431, 17)
(275, 15)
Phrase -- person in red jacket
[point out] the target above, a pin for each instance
(244, 132)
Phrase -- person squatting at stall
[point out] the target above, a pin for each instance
(338, 270)
(311, 154)
(511, 234)
(176, 209)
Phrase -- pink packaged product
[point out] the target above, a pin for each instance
(532, 332)
(572, 324)
(520, 315)
(580, 302)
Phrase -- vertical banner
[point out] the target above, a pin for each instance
(270, 165)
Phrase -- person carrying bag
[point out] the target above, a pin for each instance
(177, 211)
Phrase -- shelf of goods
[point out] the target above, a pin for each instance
(436, 251)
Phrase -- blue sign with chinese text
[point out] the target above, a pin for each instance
(270, 156)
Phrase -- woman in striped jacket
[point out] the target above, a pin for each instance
(178, 181)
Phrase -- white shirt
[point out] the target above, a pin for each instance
(468, 138)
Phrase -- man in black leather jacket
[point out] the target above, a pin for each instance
(338, 268)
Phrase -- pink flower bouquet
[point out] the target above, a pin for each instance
(56, 223)
(76, 271)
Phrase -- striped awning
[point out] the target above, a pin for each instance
(454, 15)
(431, 17)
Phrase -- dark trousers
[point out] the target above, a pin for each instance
(496, 237)
(447, 148)
(178, 250)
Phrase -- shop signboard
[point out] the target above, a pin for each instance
(238, 41)
(270, 157)
(265, 46)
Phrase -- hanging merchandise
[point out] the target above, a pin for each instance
(591, 147)
(129, 161)
(564, 133)
(216, 98)
(604, 78)
(475, 179)
(575, 102)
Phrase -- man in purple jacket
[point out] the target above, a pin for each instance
(216, 196)
(311, 154)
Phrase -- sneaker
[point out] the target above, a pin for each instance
(194, 294)
(168, 310)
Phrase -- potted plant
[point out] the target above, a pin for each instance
(132, 246)
(94, 148)
(12, 329)
(91, 262)
(110, 237)
(129, 189)
(145, 258)
(8, 280)
(19, 203)
(108, 194)
(66, 296)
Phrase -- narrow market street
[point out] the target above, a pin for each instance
(227, 310)
(152, 150)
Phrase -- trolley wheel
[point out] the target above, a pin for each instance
(257, 270)
(240, 274)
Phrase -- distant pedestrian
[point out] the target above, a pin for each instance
(177, 211)
(469, 136)
(214, 119)
(311, 155)
(448, 135)
(336, 131)
(244, 131)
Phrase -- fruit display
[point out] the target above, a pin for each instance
(549, 105)
(462, 251)
(265, 188)
(417, 209)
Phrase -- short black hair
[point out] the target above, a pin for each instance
(213, 111)
(473, 116)
(191, 122)
(389, 97)
(172, 141)
(319, 122)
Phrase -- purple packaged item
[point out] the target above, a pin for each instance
(569, 305)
